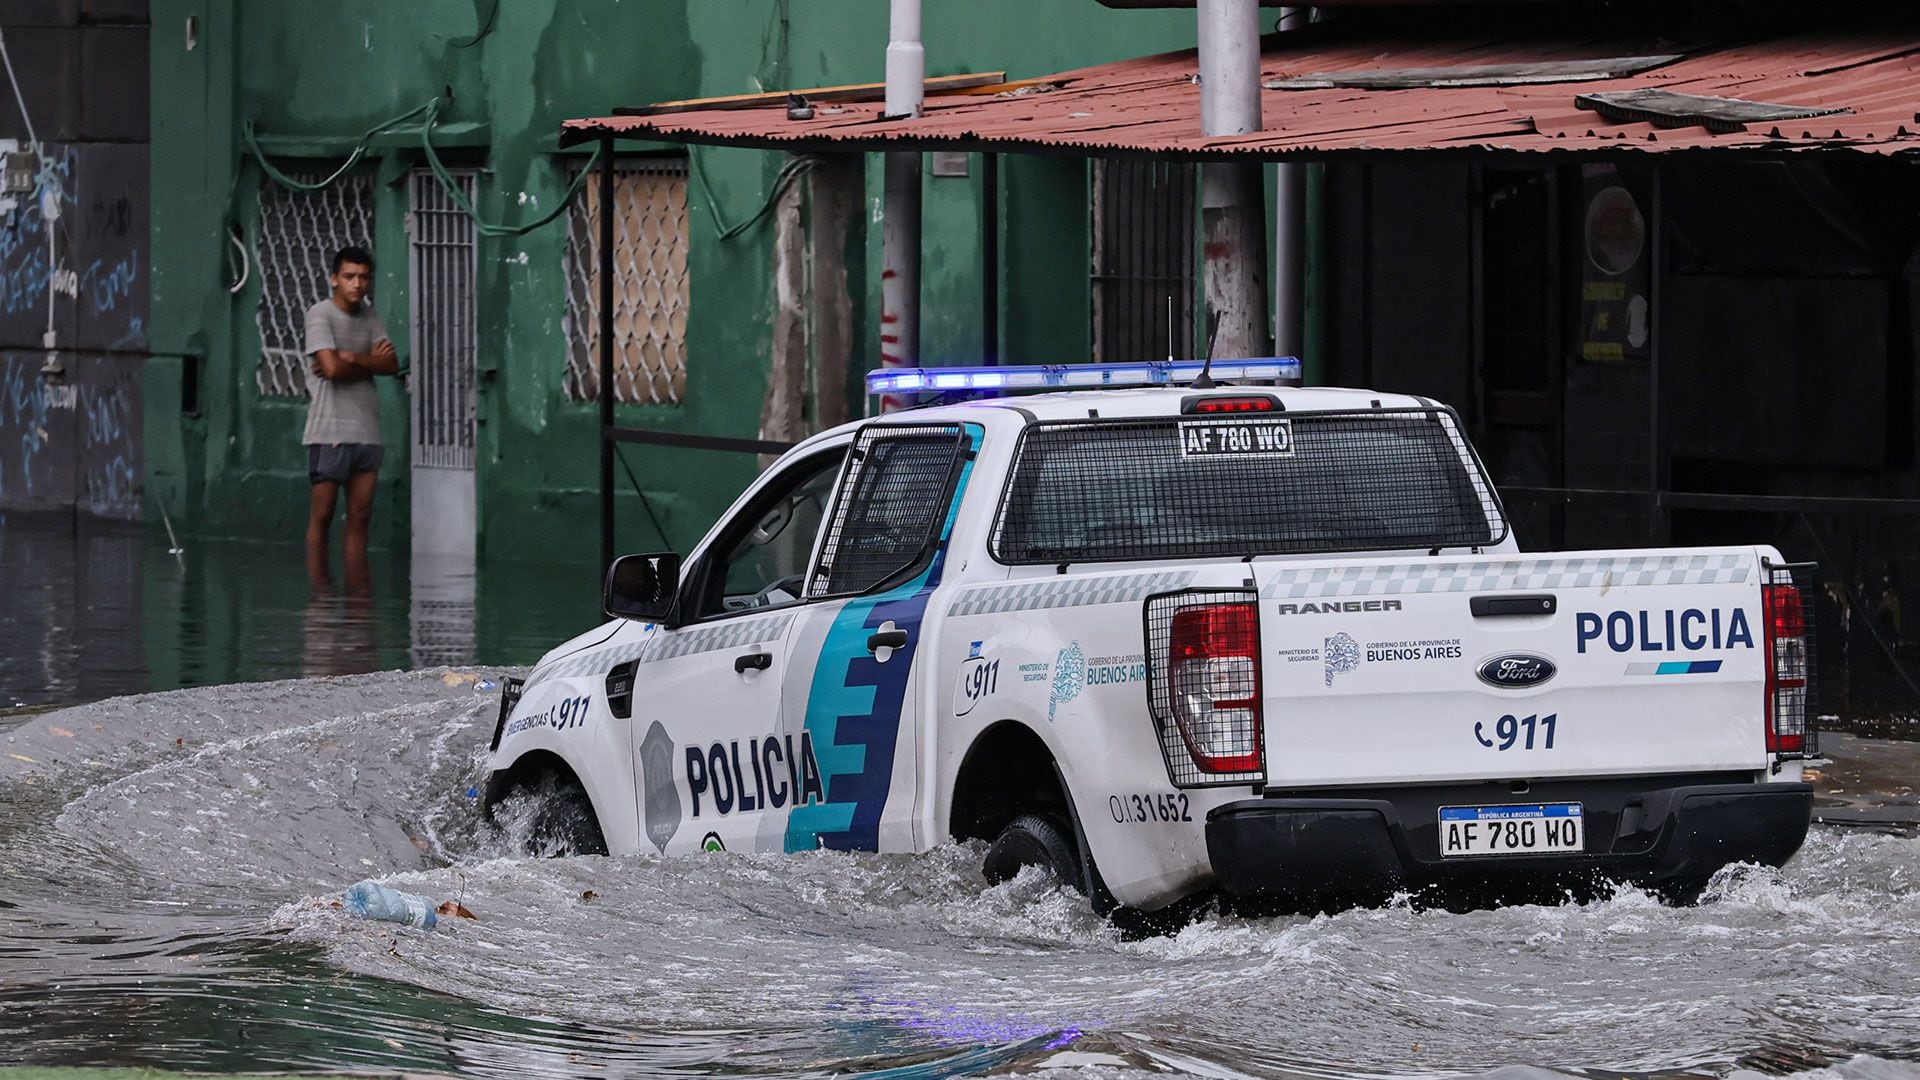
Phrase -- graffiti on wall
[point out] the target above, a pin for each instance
(73, 260)
(71, 442)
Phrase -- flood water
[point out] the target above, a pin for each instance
(168, 858)
(98, 609)
(166, 861)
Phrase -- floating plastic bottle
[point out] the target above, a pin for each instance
(372, 900)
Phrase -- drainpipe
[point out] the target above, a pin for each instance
(1290, 241)
(900, 228)
(1232, 196)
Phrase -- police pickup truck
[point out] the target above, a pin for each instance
(1210, 634)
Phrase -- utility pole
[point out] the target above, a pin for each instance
(1232, 196)
(900, 227)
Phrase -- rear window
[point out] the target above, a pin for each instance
(1196, 487)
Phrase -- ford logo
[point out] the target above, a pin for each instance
(1516, 670)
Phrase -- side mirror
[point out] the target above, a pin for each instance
(643, 586)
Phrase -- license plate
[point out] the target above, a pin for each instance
(1236, 438)
(1510, 830)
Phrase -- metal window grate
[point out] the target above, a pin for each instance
(1143, 257)
(1793, 711)
(893, 500)
(1181, 767)
(1370, 480)
(299, 233)
(441, 317)
(650, 290)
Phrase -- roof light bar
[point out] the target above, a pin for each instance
(1281, 369)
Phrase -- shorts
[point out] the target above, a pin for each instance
(341, 460)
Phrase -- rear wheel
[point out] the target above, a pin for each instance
(1033, 840)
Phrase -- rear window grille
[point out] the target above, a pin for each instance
(893, 501)
(1372, 480)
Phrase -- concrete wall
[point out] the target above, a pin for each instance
(312, 77)
(74, 259)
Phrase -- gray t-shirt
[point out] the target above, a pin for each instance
(341, 412)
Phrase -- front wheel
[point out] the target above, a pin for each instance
(1033, 840)
(565, 825)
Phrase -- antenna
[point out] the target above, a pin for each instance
(1169, 328)
(1205, 379)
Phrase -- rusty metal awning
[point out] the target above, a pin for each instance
(1333, 89)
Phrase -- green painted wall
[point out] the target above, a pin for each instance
(312, 77)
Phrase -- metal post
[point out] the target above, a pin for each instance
(606, 354)
(900, 230)
(906, 60)
(900, 269)
(990, 258)
(1229, 66)
(1290, 261)
(1290, 242)
(1231, 197)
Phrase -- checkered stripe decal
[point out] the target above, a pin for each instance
(591, 662)
(663, 645)
(1061, 592)
(731, 634)
(1519, 574)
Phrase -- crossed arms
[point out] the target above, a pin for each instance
(339, 365)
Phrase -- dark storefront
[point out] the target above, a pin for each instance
(1683, 349)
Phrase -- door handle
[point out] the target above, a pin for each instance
(756, 661)
(1496, 606)
(887, 639)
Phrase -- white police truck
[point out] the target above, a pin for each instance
(1176, 633)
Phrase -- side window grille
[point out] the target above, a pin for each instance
(650, 288)
(1143, 259)
(893, 501)
(299, 233)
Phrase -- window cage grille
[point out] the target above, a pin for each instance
(1121, 490)
(894, 495)
(1143, 259)
(443, 363)
(299, 233)
(650, 285)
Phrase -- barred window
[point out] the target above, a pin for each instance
(649, 287)
(891, 505)
(1378, 480)
(1143, 259)
(299, 233)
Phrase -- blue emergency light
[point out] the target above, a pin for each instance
(1280, 369)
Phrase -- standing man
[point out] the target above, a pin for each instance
(347, 345)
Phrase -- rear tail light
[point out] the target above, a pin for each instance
(1789, 666)
(1204, 685)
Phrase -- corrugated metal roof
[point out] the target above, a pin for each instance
(1152, 104)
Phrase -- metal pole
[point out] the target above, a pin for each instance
(990, 258)
(906, 60)
(1290, 261)
(1290, 241)
(900, 230)
(606, 354)
(1232, 199)
(1229, 66)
